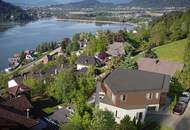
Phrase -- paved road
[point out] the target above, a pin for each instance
(175, 122)
(28, 67)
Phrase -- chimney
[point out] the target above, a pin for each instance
(28, 113)
(157, 61)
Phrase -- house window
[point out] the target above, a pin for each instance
(157, 95)
(139, 116)
(149, 96)
(123, 97)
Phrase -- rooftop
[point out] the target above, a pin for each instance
(12, 83)
(20, 103)
(159, 66)
(14, 117)
(18, 89)
(88, 60)
(123, 80)
(116, 49)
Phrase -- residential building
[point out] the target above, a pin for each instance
(20, 103)
(15, 114)
(116, 49)
(86, 61)
(133, 93)
(15, 89)
(47, 58)
(103, 56)
(159, 66)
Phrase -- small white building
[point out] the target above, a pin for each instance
(12, 83)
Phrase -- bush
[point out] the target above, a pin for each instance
(150, 54)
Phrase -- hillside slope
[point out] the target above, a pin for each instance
(173, 51)
(9, 12)
(159, 3)
(85, 4)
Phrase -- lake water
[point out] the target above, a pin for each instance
(21, 37)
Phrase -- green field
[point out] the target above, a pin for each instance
(173, 51)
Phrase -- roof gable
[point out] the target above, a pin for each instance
(20, 103)
(88, 60)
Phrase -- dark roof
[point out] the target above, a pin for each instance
(159, 66)
(13, 116)
(123, 80)
(18, 89)
(88, 60)
(103, 55)
(61, 116)
(20, 103)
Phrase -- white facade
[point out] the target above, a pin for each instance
(120, 113)
(12, 83)
(79, 66)
(29, 57)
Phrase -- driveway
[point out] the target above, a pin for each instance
(175, 122)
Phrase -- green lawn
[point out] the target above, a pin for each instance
(173, 51)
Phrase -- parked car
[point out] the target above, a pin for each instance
(184, 97)
(179, 108)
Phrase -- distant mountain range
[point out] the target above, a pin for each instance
(56, 2)
(159, 3)
(88, 3)
(9, 13)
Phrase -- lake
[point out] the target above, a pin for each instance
(28, 36)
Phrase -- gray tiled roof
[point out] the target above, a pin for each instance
(159, 66)
(116, 49)
(123, 80)
(88, 60)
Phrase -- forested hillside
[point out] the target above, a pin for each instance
(9, 12)
(168, 28)
(171, 27)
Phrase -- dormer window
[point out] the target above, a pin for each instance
(123, 97)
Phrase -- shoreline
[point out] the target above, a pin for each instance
(96, 21)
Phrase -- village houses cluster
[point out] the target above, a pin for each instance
(123, 91)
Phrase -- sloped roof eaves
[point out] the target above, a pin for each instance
(12, 115)
(131, 81)
(163, 67)
(88, 60)
(19, 103)
(16, 90)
